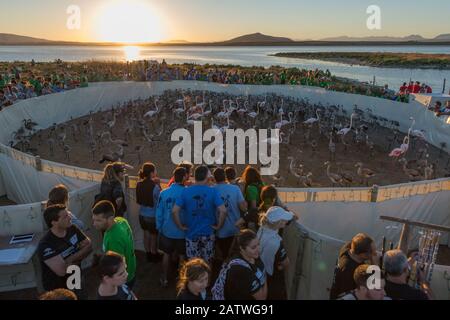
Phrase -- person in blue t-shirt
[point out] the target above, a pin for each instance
(234, 203)
(200, 204)
(171, 238)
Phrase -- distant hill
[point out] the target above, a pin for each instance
(443, 37)
(254, 39)
(374, 38)
(7, 38)
(258, 37)
(177, 41)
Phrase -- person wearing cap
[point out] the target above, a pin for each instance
(272, 251)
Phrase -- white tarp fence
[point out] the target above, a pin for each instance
(60, 107)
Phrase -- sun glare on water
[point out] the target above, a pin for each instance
(132, 53)
(129, 22)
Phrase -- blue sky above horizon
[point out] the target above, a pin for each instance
(208, 20)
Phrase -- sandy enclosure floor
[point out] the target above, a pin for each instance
(308, 145)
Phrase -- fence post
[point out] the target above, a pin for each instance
(374, 193)
(35, 260)
(404, 238)
(126, 191)
(38, 163)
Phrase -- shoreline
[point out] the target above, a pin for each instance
(375, 59)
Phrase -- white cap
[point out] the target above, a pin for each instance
(275, 214)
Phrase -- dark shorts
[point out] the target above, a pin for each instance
(169, 246)
(148, 224)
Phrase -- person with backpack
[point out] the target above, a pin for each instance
(242, 276)
(147, 194)
(111, 187)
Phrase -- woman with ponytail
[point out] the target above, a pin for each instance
(147, 195)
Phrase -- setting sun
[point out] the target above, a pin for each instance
(129, 22)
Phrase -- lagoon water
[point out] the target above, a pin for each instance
(246, 56)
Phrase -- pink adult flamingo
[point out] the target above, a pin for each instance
(397, 152)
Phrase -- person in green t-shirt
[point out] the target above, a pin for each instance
(252, 189)
(118, 236)
(84, 82)
(36, 83)
(2, 82)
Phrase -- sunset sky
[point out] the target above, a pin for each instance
(212, 20)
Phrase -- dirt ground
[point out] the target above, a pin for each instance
(4, 201)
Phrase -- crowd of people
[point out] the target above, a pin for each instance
(213, 217)
(413, 87)
(439, 109)
(202, 216)
(351, 278)
(18, 83)
(23, 80)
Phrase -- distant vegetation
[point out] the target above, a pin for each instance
(378, 59)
